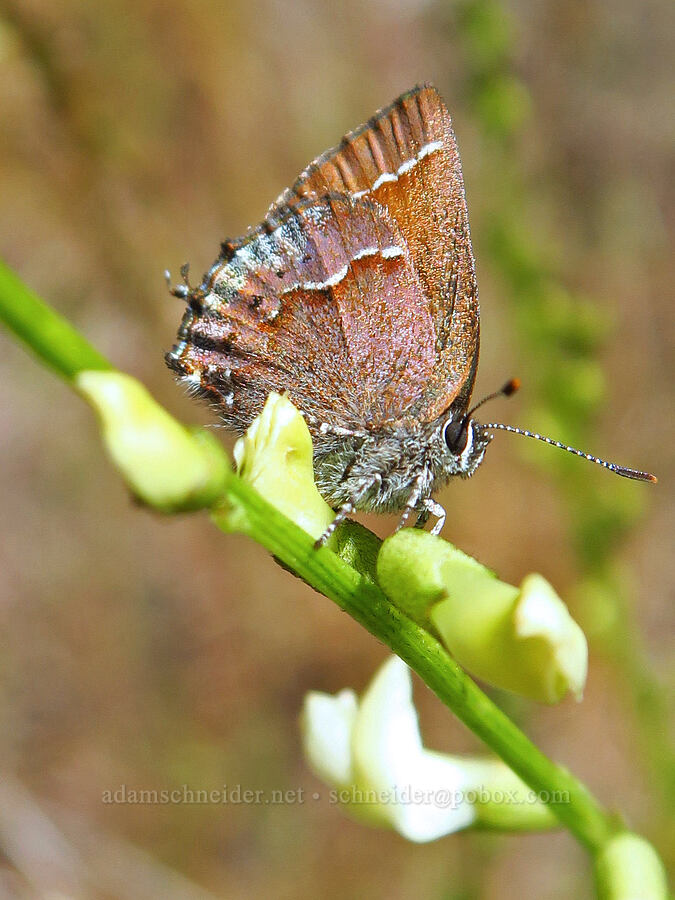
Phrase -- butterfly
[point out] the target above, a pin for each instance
(357, 297)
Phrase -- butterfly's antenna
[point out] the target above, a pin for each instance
(618, 470)
(506, 390)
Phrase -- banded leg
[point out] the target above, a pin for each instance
(435, 509)
(413, 500)
(347, 509)
(337, 430)
(422, 518)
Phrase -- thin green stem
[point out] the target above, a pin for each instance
(570, 800)
(50, 337)
(240, 508)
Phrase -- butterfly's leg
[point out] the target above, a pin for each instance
(431, 506)
(422, 518)
(347, 508)
(413, 499)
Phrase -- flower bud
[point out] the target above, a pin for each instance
(166, 465)
(275, 457)
(519, 639)
(628, 868)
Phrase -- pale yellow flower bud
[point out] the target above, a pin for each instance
(520, 639)
(165, 464)
(275, 457)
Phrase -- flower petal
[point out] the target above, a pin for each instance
(275, 457)
(165, 464)
(522, 640)
(327, 729)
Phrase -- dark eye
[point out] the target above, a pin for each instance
(456, 435)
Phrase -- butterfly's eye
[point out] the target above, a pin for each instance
(456, 434)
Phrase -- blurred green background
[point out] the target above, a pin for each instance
(156, 653)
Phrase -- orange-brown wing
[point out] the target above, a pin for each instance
(405, 159)
(324, 304)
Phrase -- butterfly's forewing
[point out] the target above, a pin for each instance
(405, 160)
(323, 303)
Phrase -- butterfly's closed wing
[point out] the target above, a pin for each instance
(405, 159)
(322, 302)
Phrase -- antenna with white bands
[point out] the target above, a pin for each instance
(613, 467)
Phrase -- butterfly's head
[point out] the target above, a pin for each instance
(465, 442)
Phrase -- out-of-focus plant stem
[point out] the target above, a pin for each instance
(563, 331)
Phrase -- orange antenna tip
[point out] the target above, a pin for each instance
(511, 387)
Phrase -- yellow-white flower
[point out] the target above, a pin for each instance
(165, 464)
(275, 457)
(520, 639)
(371, 754)
(628, 868)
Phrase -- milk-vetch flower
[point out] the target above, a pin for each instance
(628, 868)
(275, 457)
(521, 639)
(166, 465)
(371, 754)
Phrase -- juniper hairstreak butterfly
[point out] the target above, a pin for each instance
(356, 295)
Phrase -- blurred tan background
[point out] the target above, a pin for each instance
(152, 652)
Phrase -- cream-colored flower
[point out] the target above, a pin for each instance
(519, 639)
(371, 754)
(165, 464)
(628, 868)
(275, 457)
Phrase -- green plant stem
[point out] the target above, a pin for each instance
(60, 346)
(571, 802)
(47, 334)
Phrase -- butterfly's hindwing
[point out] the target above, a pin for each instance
(405, 159)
